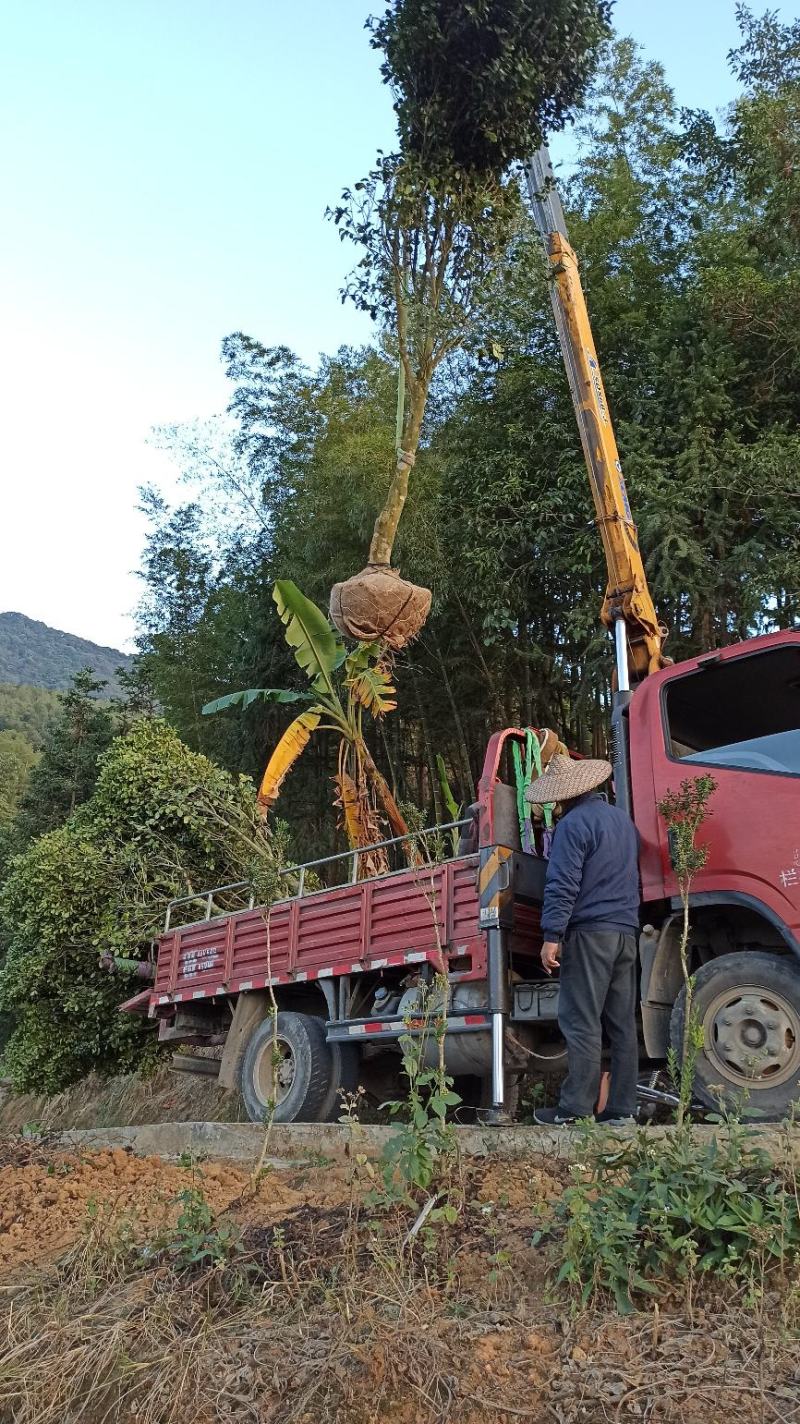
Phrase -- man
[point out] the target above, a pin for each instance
(590, 919)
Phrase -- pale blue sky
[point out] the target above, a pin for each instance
(164, 170)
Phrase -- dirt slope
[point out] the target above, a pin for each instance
(322, 1315)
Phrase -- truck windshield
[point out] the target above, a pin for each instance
(742, 713)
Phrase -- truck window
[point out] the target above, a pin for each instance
(741, 713)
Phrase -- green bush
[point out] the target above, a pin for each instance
(644, 1213)
(163, 821)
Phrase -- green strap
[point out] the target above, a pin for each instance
(547, 811)
(523, 779)
(520, 783)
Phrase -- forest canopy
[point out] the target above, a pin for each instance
(688, 236)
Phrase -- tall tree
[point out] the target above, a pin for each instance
(66, 772)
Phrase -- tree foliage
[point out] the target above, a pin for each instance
(162, 822)
(17, 760)
(64, 775)
(29, 710)
(477, 86)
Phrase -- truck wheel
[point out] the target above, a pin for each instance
(749, 1008)
(300, 1082)
(344, 1079)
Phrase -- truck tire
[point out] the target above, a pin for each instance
(749, 1008)
(304, 1074)
(344, 1079)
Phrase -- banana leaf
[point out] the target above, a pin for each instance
(255, 694)
(308, 633)
(293, 742)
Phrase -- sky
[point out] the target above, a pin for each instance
(165, 166)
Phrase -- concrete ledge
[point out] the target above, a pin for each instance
(242, 1142)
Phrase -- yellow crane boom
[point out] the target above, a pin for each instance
(628, 608)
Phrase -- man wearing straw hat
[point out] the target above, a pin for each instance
(590, 921)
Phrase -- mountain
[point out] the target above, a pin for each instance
(33, 653)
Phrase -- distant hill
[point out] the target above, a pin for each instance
(33, 653)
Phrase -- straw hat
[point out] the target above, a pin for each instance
(565, 778)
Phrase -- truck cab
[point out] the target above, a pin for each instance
(734, 714)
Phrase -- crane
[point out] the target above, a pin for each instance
(628, 610)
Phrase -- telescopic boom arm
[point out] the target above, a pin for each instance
(628, 606)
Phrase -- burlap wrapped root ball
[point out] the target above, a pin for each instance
(378, 605)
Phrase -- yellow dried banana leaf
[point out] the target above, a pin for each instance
(293, 742)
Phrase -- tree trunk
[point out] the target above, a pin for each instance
(383, 536)
(390, 806)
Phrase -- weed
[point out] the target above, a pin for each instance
(652, 1210)
(197, 1238)
(190, 1160)
(414, 1155)
(684, 812)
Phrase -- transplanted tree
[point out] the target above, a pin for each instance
(162, 822)
(474, 87)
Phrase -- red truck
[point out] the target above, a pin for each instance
(346, 963)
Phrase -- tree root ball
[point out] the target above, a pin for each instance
(377, 604)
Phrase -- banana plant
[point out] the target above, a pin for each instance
(343, 687)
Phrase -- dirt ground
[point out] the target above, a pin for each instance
(50, 1199)
(325, 1314)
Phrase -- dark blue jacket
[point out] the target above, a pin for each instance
(593, 871)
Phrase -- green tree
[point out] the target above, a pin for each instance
(17, 760)
(65, 774)
(162, 822)
(29, 710)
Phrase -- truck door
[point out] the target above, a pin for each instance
(736, 715)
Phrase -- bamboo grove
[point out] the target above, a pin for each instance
(688, 233)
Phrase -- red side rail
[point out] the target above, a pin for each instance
(385, 922)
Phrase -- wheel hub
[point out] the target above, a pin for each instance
(752, 1035)
(273, 1071)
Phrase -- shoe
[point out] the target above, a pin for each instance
(609, 1118)
(553, 1117)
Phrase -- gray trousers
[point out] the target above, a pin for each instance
(597, 996)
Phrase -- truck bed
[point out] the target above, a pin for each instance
(391, 920)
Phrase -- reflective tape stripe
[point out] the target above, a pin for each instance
(400, 1026)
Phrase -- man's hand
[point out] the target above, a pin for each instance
(551, 953)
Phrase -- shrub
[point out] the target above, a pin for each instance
(656, 1209)
(163, 821)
